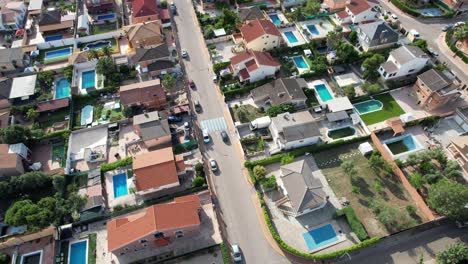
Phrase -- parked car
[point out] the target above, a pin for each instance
(206, 136)
(174, 119)
(433, 52)
(236, 254)
(213, 165)
(198, 107)
(447, 27)
(191, 84)
(173, 7)
(224, 136)
(458, 24)
(394, 16)
(184, 53)
(186, 126)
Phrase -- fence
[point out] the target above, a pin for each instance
(411, 190)
(74, 42)
(218, 40)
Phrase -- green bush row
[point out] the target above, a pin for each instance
(353, 222)
(459, 53)
(116, 164)
(64, 134)
(405, 8)
(224, 253)
(217, 67)
(301, 151)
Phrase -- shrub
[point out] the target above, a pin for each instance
(353, 222)
(405, 8)
(116, 164)
(259, 172)
(286, 159)
(198, 181)
(453, 254)
(279, 109)
(269, 183)
(4, 258)
(200, 170)
(224, 253)
(416, 180)
(217, 67)
(411, 209)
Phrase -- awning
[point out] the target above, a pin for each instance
(396, 124)
(339, 104)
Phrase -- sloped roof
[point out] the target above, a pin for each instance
(158, 52)
(50, 17)
(407, 53)
(358, 6)
(261, 58)
(10, 55)
(296, 126)
(250, 13)
(379, 29)
(139, 31)
(52, 104)
(143, 8)
(280, 91)
(257, 28)
(23, 86)
(434, 79)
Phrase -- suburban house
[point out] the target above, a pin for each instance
(294, 130)
(148, 94)
(11, 163)
(12, 14)
(51, 21)
(4, 112)
(334, 5)
(5, 88)
(376, 35)
(404, 62)
(458, 147)
(12, 59)
(356, 11)
(303, 193)
(252, 66)
(157, 171)
(144, 11)
(153, 129)
(250, 13)
(157, 226)
(461, 117)
(99, 6)
(281, 91)
(22, 88)
(458, 5)
(434, 89)
(144, 34)
(260, 35)
(153, 61)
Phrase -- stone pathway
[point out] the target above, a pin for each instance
(340, 158)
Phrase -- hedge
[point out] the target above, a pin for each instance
(224, 253)
(353, 222)
(301, 151)
(117, 164)
(448, 41)
(405, 8)
(63, 134)
(217, 67)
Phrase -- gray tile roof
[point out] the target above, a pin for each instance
(407, 53)
(389, 66)
(161, 65)
(379, 33)
(156, 129)
(5, 88)
(434, 80)
(250, 13)
(9, 55)
(159, 52)
(50, 17)
(281, 91)
(296, 126)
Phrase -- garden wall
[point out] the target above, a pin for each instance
(411, 190)
(218, 40)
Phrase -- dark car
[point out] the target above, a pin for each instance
(174, 119)
(224, 136)
(191, 84)
(198, 107)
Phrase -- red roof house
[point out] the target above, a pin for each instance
(253, 66)
(260, 35)
(144, 11)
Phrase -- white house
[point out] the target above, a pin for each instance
(403, 62)
(12, 16)
(261, 35)
(252, 66)
(290, 131)
(356, 11)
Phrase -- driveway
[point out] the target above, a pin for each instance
(234, 193)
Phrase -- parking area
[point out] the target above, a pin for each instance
(223, 51)
(446, 130)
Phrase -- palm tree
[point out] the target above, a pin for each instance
(461, 34)
(107, 51)
(93, 54)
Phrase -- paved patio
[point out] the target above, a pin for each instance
(405, 97)
(224, 51)
(129, 144)
(43, 154)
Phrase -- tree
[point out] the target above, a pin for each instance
(68, 73)
(349, 91)
(379, 164)
(297, 14)
(198, 181)
(45, 79)
(15, 134)
(58, 181)
(371, 65)
(416, 180)
(32, 114)
(106, 66)
(421, 43)
(92, 54)
(259, 172)
(353, 37)
(347, 53)
(333, 39)
(286, 159)
(312, 7)
(269, 183)
(449, 198)
(168, 81)
(461, 33)
(279, 109)
(454, 254)
(370, 88)
(107, 51)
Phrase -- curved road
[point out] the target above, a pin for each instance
(234, 193)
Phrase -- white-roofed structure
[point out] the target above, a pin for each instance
(407, 117)
(339, 104)
(83, 24)
(23, 87)
(365, 148)
(35, 7)
(347, 79)
(20, 149)
(219, 32)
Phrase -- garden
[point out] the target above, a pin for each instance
(101, 28)
(390, 109)
(379, 201)
(246, 113)
(253, 144)
(227, 20)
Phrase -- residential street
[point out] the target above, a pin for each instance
(235, 194)
(430, 30)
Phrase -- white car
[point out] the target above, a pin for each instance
(458, 24)
(394, 16)
(236, 254)
(184, 53)
(213, 165)
(206, 136)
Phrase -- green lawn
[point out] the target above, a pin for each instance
(41, 58)
(390, 109)
(246, 113)
(103, 28)
(58, 154)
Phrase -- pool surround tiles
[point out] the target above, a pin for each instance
(402, 145)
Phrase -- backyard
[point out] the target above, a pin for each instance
(114, 44)
(103, 28)
(46, 122)
(56, 58)
(379, 200)
(390, 109)
(100, 112)
(246, 113)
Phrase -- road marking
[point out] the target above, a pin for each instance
(215, 124)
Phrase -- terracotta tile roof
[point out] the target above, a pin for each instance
(241, 57)
(182, 212)
(251, 65)
(261, 58)
(257, 28)
(342, 14)
(142, 92)
(143, 8)
(358, 6)
(155, 169)
(143, 31)
(52, 104)
(244, 74)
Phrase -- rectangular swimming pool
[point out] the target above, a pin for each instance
(78, 253)
(120, 184)
(275, 18)
(52, 38)
(402, 144)
(368, 106)
(57, 53)
(300, 62)
(323, 92)
(105, 17)
(320, 237)
(291, 37)
(313, 30)
(62, 89)
(88, 79)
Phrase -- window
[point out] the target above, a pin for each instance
(179, 233)
(384, 74)
(143, 241)
(158, 235)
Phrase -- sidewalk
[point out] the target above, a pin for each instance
(450, 54)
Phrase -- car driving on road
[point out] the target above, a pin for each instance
(236, 254)
(213, 165)
(224, 136)
(184, 53)
(206, 136)
(447, 27)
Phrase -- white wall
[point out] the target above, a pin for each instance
(301, 143)
(76, 41)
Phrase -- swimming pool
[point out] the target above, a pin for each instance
(120, 184)
(430, 12)
(88, 79)
(320, 237)
(62, 88)
(275, 18)
(105, 17)
(87, 115)
(323, 92)
(52, 38)
(341, 132)
(368, 106)
(57, 53)
(97, 45)
(313, 30)
(291, 37)
(402, 145)
(78, 252)
(300, 62)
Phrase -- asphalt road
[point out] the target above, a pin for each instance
(430, 30)
(233, 191)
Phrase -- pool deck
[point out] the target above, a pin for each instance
(417, 131)
(297, 34)
(322, 29)
(311, 85)
(128, 199)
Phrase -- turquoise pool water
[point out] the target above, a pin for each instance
(97, 45)
(300, 62)
(313, 30)
(57, 53)
(323, 92)
(368, 106)
(62, 89)
(88, 79)
(78, 254)
(120, 185)
(275, 19)
(402, 144)
(291, 37)
(319, 237)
